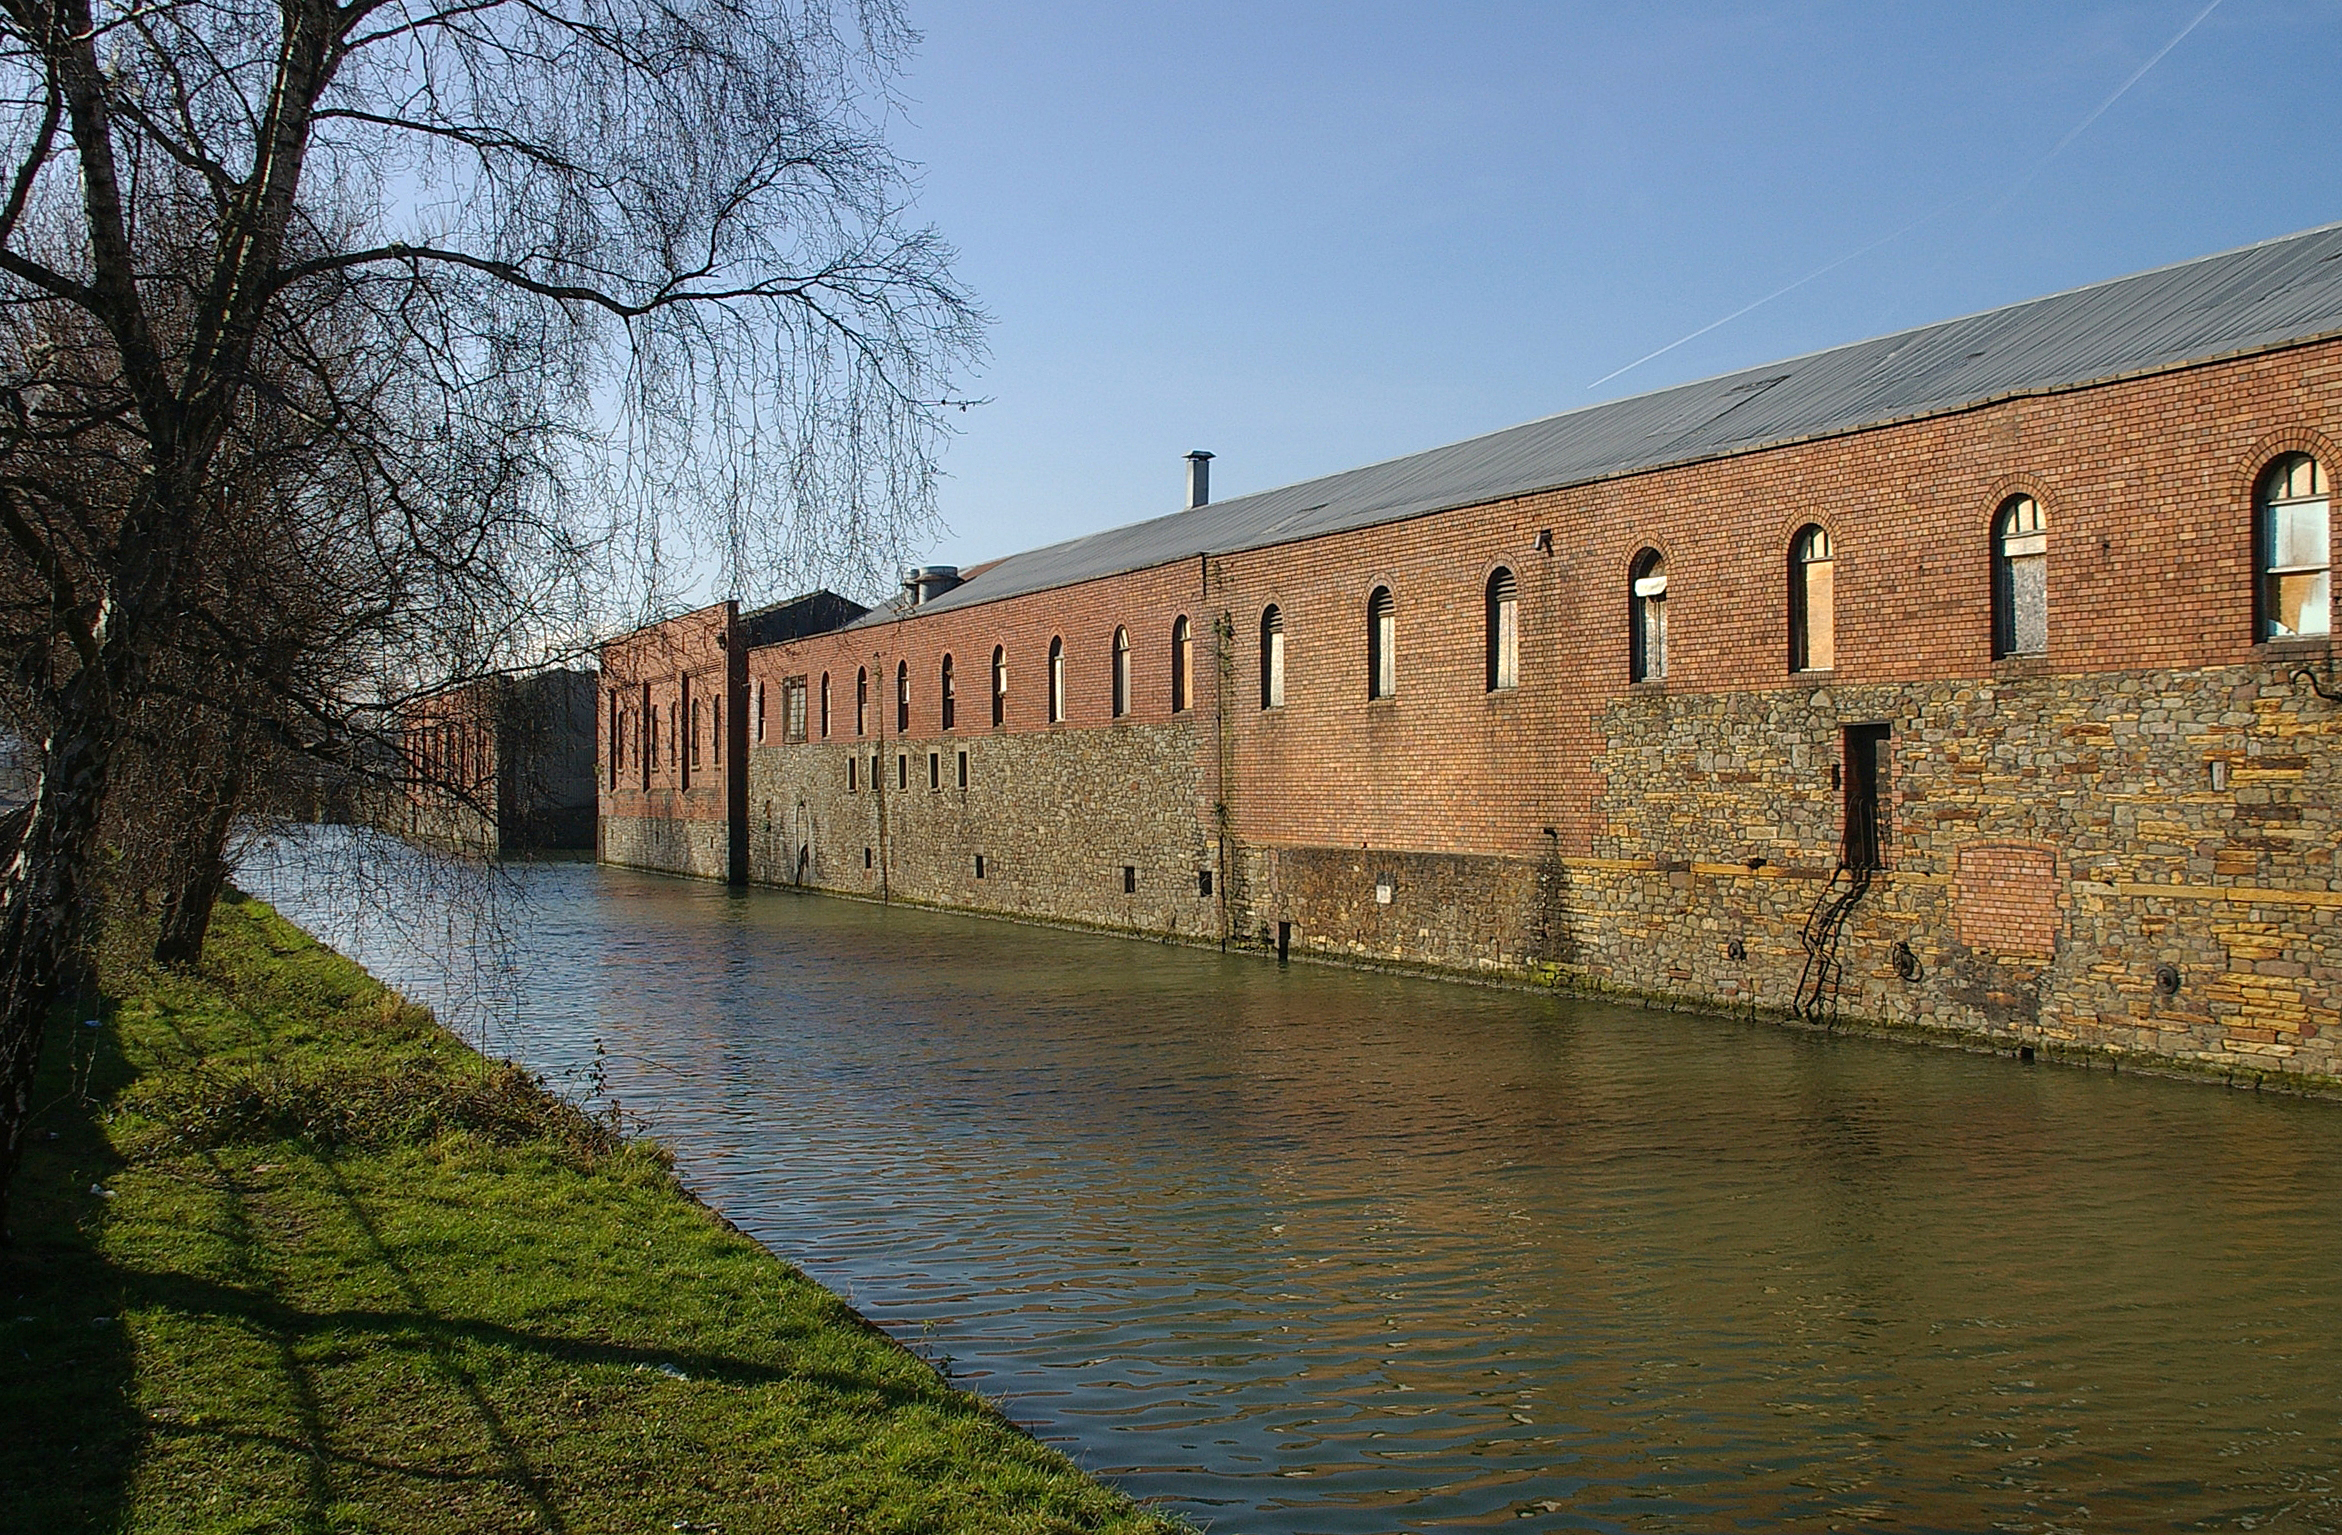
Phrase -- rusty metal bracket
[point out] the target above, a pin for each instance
(2324, 690)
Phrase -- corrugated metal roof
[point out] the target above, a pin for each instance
(2282, 291)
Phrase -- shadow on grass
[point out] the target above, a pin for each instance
(201, 1274)
(70, 1433)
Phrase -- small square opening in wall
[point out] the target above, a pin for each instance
(979, 866)
(935, 770)
(963, 770)
(1203, 882)
(1130, 879)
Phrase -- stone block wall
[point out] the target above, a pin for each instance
(665, 844)
(1057, 816)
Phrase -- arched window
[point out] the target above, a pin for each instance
(2020, 579)
(1056, 681)
(1272, 658)
(999, 685)
(951, 697)
(825, 706)
(2296, 550)
(1813, 602)
(759, 712)
(1121, 672)
(902, 698)
(1504, 632)
(862, 700)
(1382, 637)
(1647, 609)
(1182, 662)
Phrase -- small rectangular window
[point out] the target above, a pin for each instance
(1130, 879)
(853, 774)
(935, 770)
(1203, 882)
(979, 866)
(866, 858)
(963, 770)
(902, 770)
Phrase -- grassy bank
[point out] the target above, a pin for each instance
(290, 1257)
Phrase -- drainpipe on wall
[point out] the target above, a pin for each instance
(1224, 728)
(878, 785)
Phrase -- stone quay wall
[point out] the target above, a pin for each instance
(1092, 826)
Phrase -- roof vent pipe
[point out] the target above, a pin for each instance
(925, 583)
(1199, 478)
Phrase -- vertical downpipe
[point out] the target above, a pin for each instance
(735, 646)
(878, 782)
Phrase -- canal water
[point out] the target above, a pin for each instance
(1299, 1249)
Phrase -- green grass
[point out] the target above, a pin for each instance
(345, 1274)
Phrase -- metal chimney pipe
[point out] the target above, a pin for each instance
(1199, 478)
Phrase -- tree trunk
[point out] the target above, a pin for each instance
(200, 869)
(45, 914)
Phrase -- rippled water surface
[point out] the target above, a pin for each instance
(1306, 1250)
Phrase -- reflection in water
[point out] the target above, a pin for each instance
(1310, 1250)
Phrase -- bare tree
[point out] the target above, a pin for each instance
(322, 325)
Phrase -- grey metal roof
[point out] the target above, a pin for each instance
(2281, 291)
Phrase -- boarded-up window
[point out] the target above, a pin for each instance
(1647, 617)
(792, 708)
(1813, 602)
(1504, 632)
(2020, 579)
(1121, 672)
(1272, 658)
(1382, 644)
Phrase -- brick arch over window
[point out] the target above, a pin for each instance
(2243, 520)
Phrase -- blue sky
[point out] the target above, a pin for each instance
(1311, 237)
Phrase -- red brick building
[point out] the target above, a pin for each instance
(501, 765)
(1966, 679)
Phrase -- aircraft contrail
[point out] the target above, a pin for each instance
(2013, 188)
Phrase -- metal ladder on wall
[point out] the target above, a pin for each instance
(1817, 988)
